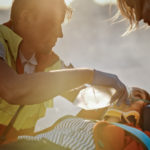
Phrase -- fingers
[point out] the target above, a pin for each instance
(111, 80)
(123, 99)
(117, 95)
(121, 94)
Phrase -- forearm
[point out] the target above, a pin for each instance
(38, 87)
(72, 94)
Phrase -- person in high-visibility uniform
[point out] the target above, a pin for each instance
(30, 72)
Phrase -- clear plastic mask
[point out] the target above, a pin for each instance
(94, 97)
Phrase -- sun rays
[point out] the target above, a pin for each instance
(5, 4)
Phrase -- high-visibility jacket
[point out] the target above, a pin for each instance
(29, 115)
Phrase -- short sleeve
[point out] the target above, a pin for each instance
(2, 52)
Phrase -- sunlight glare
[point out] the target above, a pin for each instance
(103, 2)
(68, 2)
(5, 4)
(94, 97)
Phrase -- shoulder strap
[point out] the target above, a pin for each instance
(7, 129)
(141, 136)
(11, 55)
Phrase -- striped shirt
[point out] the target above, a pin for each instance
(72, 133)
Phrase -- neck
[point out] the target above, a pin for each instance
(26, 50)
(24, 47)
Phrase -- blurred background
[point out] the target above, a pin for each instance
(92, 40)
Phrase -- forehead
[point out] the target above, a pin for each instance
(51, 11)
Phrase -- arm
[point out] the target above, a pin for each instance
(71, 94)
(37, 87)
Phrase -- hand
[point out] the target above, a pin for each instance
(111, 80)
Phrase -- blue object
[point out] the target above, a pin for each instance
(141, 136)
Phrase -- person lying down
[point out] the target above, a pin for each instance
(77, 133)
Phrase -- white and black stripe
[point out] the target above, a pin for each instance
(72, 133)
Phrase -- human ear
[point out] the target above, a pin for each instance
(137, 6)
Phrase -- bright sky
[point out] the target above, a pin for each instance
(105, 1)
(7, 3)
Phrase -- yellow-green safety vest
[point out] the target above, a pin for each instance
(29, 115)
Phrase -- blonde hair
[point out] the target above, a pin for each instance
(129, 13)
(19, 5)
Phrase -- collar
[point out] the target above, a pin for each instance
(14, 41)
(11, 38)
(31, 61)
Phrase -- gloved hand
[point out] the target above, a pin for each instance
(111, 80)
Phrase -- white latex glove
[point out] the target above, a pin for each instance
(111, 80)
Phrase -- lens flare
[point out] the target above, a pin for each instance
(68, 2)
(103, 2)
